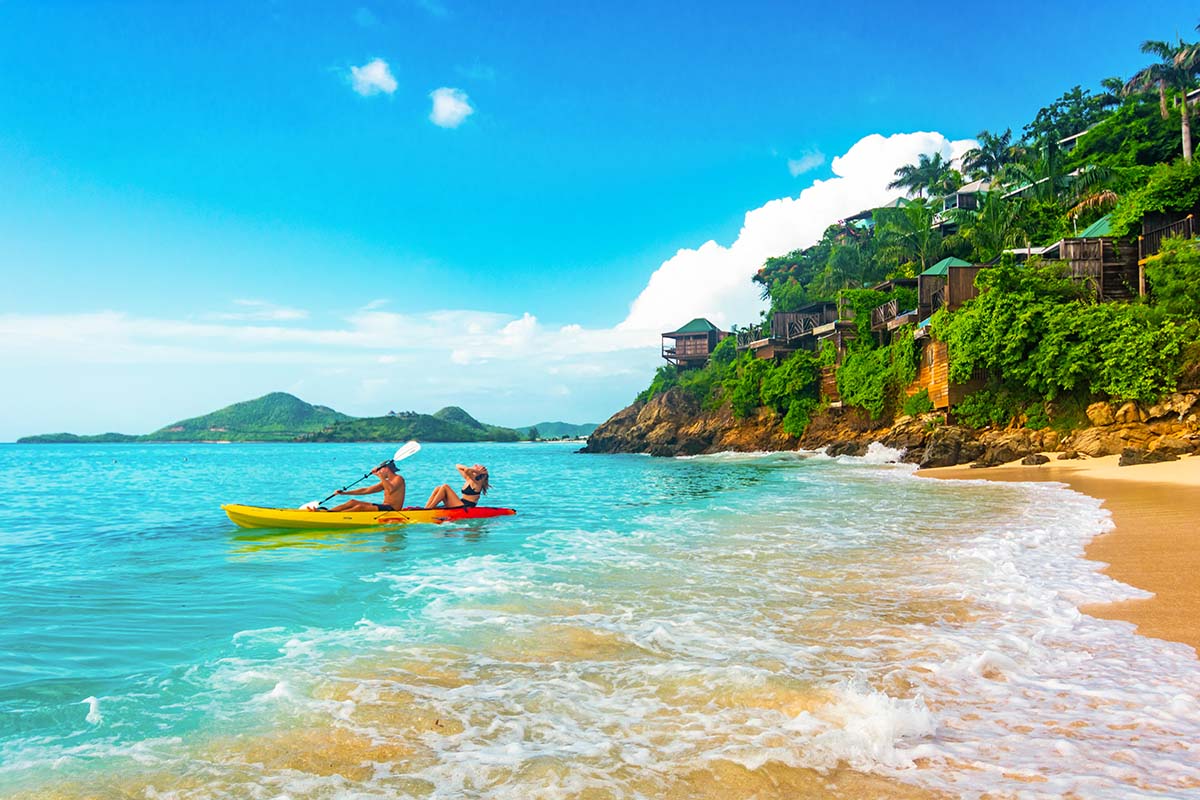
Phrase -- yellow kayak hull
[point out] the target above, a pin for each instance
(257, 517)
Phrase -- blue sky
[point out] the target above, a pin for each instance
(197, 206)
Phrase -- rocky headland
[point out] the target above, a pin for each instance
(673, 423)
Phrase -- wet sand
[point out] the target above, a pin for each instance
(1156, 543)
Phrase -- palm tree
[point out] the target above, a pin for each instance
(991, 228)
(929, 173)
(907, 234)
(1114, 90)
(1176, 70)
(993, 152)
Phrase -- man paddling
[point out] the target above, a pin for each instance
(391, 483)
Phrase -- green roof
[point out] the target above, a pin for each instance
(943, 266)
(698, 325)
(1101, 227)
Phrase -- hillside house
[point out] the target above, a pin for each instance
(691, 345)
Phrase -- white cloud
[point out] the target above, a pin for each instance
(806, 162)
(372, 78)
(450, 107)
(259, 311)
(713, 280)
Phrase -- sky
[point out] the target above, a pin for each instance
(407, 204)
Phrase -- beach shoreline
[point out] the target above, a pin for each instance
(1154, 546)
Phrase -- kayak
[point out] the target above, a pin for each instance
(256, 517)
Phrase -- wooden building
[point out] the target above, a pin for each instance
(803, 329)
(1105, 263)
(889, 316)
(933, 375)
(947, 284)
(691, 345)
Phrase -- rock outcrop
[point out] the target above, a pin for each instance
(674, 423)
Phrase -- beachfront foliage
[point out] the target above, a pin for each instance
(917, 404)
(1035, 327)
(1175, 275)
(873, 378)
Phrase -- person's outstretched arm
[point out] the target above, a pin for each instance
(376, 489)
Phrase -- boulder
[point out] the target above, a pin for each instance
(1100, 414)
(1110, 440)
(1007, 446)
(1132, 456)
(944, 447)
(1034, 460)
(1173, 445)
(1127, 413)
(906, 434)
(1068, 455)
(846, 449)
(1174, 406)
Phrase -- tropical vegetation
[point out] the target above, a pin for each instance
(1046, 344)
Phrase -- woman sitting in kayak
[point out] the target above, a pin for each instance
(476, 486)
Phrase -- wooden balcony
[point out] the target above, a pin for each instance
(881, 315)
(1150, 242)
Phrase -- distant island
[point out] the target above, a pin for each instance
(281, 417)
(558, 430)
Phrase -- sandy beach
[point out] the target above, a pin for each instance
(1155, 545)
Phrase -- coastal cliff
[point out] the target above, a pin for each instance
(673, 423)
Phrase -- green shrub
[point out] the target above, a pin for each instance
(918, 404)
(665, 377)
(743, 386)
(1170, 188)
(1033, 328)
(1036, 417)
(873, 379)
(795, 377)
(799, 414)
(1174, 277)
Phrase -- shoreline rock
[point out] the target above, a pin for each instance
(674, 423)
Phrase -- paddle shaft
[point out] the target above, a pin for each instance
(344, 488)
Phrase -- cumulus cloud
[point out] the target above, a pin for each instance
(450, 107)
(713, 280)
(372, 78)
(808, 161)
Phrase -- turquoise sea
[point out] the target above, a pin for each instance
(764, 625)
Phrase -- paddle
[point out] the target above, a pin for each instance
(406, 450)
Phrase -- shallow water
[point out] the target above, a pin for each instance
(728, 626)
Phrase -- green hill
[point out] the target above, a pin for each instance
(280, 417)
(71, 438)
(558, 430)
(448, 425)
(275, 417)
(456, 416)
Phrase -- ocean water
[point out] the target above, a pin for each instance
(769, 625)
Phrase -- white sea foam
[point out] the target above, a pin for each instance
(93, 715)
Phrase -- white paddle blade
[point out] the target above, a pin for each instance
(311, 505)
(406, 450)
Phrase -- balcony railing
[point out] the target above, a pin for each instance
(1150, 243)
(880, 315)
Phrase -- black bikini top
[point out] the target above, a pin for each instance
(468, 490)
